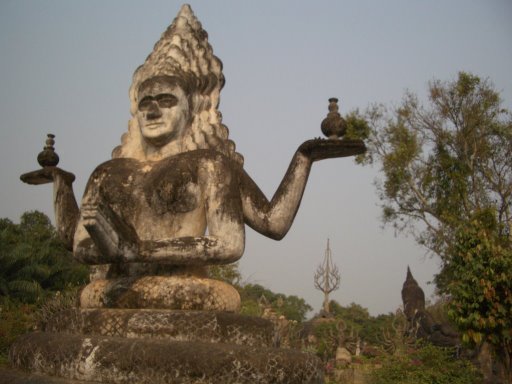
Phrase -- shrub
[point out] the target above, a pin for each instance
(425, 364)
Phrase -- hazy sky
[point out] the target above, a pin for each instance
(66, 66)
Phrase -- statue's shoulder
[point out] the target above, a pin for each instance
(209, 156)
(116, 165)
(190, 161)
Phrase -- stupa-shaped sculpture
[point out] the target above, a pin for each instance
(420, 323)
(174, 199)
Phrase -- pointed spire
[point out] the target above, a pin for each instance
(409, 277)
(327, 277)
(413, 297)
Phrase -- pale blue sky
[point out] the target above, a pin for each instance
(66, 66)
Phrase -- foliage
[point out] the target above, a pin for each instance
(34, 261)
(480, 285)
(292, 307)
(447, 170)
(444, 162)
(327, 336)
(425, 365)
(357, 128)
(439, 309)
(59, 302)
(227, 273)
(15, 320)
(359, 322)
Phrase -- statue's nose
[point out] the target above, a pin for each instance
(153, 111)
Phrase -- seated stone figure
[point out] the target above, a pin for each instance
(175, 197)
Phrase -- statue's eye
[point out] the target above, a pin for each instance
(166, 100)
(145, 103)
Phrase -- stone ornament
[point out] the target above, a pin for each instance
(333, 126)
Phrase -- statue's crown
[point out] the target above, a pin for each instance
(183, 51)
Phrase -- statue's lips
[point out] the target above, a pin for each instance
(154, 125)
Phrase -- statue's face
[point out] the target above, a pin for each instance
(163, 111)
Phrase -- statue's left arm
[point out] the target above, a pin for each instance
(64, 201)
(65, 207)
(274, 218)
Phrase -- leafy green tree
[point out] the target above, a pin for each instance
(16, 319)
(425, 365)
(33, 260)
(480, 285)
(228, 273)
(447, 180)
(292, 307)
(358, 320)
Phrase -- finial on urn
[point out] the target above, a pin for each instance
(47, 157)
(333, 126)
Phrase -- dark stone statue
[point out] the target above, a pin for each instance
(420, 322)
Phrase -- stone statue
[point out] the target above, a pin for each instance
(175, 197)
(421, 323)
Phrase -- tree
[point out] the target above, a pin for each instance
(228, 273)
(358, 320)
(33, 260)
(447, 180)
(424, 364)
(292, 307)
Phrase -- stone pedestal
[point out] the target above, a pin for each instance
(159, 346)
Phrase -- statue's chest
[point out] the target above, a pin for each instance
(131, 186)
(172, 189)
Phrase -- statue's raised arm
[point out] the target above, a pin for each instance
(274, 218)
(64, 201)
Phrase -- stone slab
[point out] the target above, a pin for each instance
(118, 360)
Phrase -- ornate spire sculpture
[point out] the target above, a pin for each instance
(327, 277)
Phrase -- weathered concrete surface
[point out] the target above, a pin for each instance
(119, 360)
(204, 326)
(174, 195)
(14, 376)
(169, 292)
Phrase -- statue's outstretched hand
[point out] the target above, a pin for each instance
(319, 149)
(47, 175)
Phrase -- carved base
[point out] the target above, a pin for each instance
(164, 292)
(118, 360)
(201, 326)
(159, 347)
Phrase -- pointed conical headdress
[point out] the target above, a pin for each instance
(183, 51)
